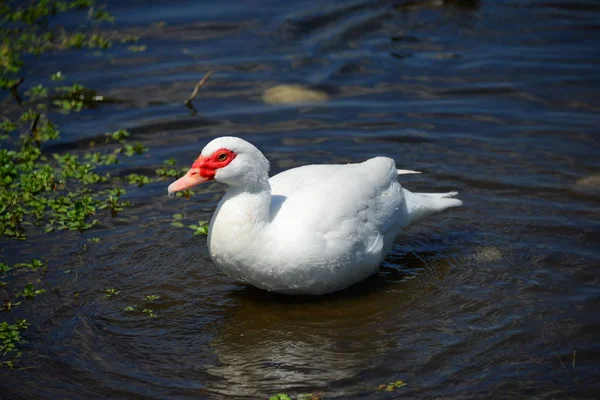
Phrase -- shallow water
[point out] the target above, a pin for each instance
(496, 99)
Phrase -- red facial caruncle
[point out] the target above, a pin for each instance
(207, 166)
(204, 169)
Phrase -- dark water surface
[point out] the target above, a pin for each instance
(500, 298)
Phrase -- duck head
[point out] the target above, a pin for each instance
(229, 160)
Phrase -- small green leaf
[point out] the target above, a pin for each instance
(57, 76)
(4, 268)
(149, 312)
(280, 396)
(111, 292)
(137, 48)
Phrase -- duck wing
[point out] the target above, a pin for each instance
(349, 211)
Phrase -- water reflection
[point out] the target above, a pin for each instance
(272, 342)
(263, 346)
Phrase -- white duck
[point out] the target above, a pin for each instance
(314, 229)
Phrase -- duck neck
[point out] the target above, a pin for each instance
(247, 206)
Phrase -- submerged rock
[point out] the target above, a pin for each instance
(589, 184)
(293, 94)
(487, 254)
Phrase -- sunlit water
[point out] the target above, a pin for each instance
(500, 298)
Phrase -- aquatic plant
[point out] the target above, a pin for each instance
(43, 192)
(111, 292)
(302, 396)
(392, 386)
(200, 228)
(10, 336)
(150, 313)
(280, 396)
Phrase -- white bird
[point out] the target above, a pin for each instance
(314, 229)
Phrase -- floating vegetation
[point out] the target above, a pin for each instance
(280, 396)
(136, 48)
(303, 396)
(29, 292)
(10, 337)
(177, 221)
(392, 386)
(138, 180)
(146, 311)
(150, 313)
(44, 192)
(111, 292)
(201, 228)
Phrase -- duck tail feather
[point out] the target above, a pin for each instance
(422, 205)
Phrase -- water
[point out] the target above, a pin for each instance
(500, 298)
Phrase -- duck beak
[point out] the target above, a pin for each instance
(190, 179)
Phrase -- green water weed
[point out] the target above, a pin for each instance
(44, 192)
(138, 180)
(392, 386)
(29, 292)
(137, 48)
(111, 292)
(201, 228)
(280, 396)
(302, 396)
(34, 265)
(169, 170)
(4, 268)
(177, 221)
(10, 335)
(134, 149)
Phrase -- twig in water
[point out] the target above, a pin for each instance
(15, 92)
(33, 128)
(562, 363)
(199, 85)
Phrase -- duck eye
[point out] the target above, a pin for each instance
(222, 157)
